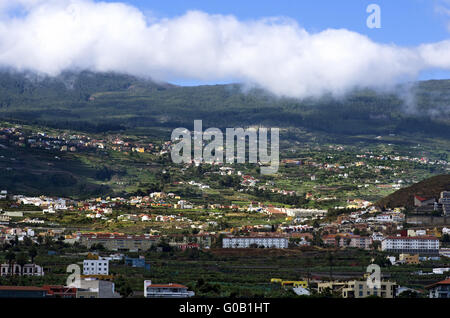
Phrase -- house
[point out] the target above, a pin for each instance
(409, 259)
(440, 289)
(348, 240)
(441, 270)
(166, 290)
(444, 252)
(420, 201)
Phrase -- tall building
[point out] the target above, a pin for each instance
(422, 245)
(119, 242)
(445, 201)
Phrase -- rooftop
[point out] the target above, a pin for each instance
(442, 282)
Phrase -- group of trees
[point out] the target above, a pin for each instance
(14, 254)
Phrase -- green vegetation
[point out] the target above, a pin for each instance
(429, 188)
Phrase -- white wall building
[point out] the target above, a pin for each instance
(96, 267)
(166, 290)
(246, 242)
(411, 245)
(16, 269)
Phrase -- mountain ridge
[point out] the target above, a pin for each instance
(117, 102)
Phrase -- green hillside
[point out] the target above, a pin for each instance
(99, 102)
(428, 188)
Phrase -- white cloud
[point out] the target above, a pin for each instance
(276, 54)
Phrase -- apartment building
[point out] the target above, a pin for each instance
(359, 289)
(422, 245)
(247, 242)
(348, 240)
(119, 242)
(445, 201)
(96, 267)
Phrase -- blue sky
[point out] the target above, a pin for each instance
(404, 22)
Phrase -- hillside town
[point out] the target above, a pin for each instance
(166, 221)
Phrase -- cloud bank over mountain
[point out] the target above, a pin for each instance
(276, 53)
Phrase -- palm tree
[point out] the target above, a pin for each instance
(21, 260)
(32, 253)
(330, 262)
(10, 257)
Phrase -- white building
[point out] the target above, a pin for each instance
(441, 271)
(94, 288)
(390, 217)
(246, 242)
(96, 267)
(411, 245)
(166, 290)
(28, 270)
(445, 201)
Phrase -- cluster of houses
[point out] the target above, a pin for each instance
(50, 141)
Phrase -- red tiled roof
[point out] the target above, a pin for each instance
(442, 282)
(22, 288)
(420, 198)
(275, 211)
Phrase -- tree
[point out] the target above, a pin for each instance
(125, 290)
(376, 245)
(10, 257)
(32, 253)
(123, 286)
(27, 241)
(21, 259)
(409, 294)
(382, 261)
